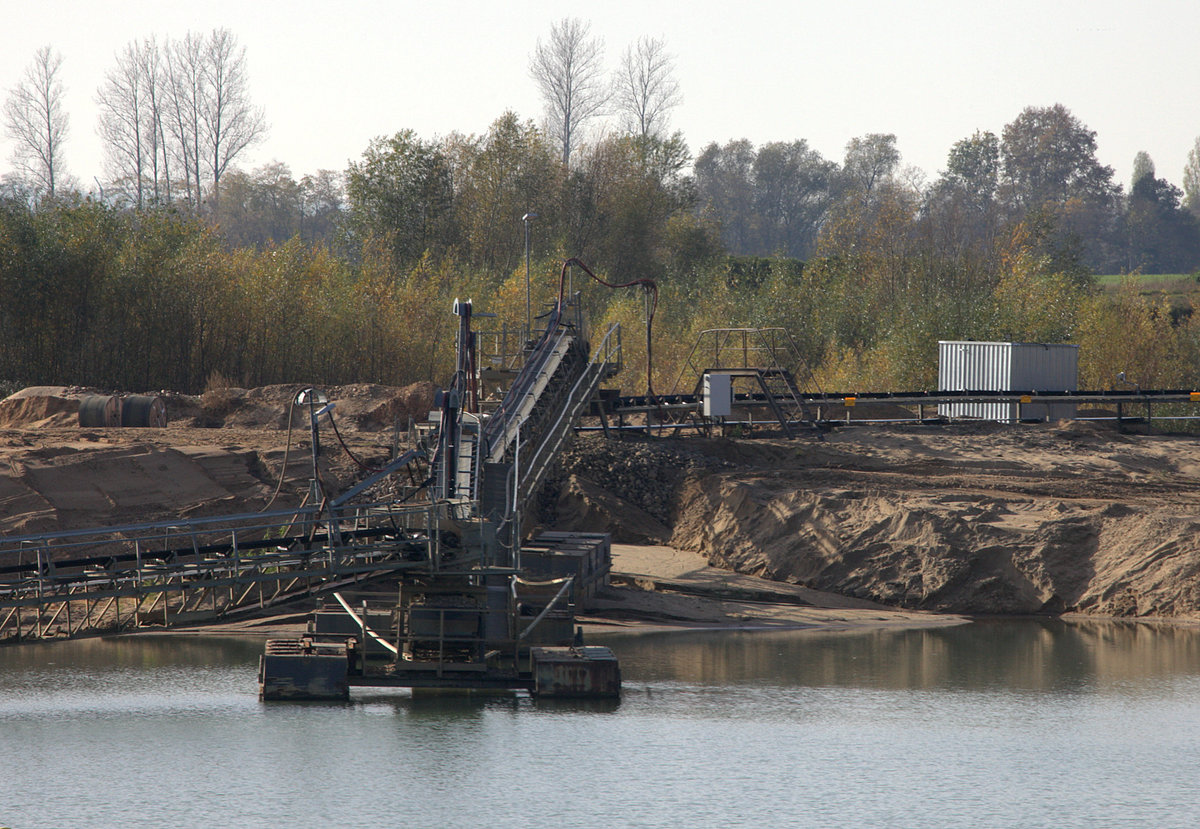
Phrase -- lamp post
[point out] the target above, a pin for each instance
(527, 218)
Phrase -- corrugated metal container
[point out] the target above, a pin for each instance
(979, 366)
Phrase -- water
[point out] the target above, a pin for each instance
(986, 725)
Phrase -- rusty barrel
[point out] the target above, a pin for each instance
(100, 410)
(144, 410)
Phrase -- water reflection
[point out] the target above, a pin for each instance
(1094, 724)
(152, 652)
(1051, 655)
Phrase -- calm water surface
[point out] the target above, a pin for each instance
(986, 725)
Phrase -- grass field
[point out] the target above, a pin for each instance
(1179, 288)
(1169, 282)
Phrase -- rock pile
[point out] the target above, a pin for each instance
(645, 473)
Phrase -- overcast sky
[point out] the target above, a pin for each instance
(332, 75)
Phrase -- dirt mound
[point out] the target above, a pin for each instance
(38, 411)
(627, 487)
(56, 475)
(43, 391)
(582, 504)
(961, 552)
(371, 407)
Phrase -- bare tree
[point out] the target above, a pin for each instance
(185, 96)
(567, 69)
(124, 122)
(35, 120)
(155, 88)
(202, 115)
(645, 87)
(230, 123)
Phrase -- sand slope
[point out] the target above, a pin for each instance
(975, 519)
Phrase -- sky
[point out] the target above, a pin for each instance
(331, 76)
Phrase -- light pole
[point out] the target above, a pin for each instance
(527, 218)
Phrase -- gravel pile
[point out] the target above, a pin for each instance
(646, 473)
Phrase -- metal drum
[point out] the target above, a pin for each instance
(143, 410)
(97, 410)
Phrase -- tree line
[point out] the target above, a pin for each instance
(257, 277)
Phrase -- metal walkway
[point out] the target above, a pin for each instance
(1126, 403)
(109, 579)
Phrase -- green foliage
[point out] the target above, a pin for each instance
(401, 193)
(1049, 156)
(508, 173)
(1163, 237)
(1132, 333)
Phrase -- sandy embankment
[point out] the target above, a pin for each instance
(973, 519)
(662, 587)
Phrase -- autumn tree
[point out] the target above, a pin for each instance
(725, 190)
(793, 190)
(1049, 156)
(961, 212)
(870, 161)
(36, 122)
(568, 70)
(259, 208)
(645, 88)
(510, 171)
(973, 168)
(323, 199)
(1049, 166)
(635, 186)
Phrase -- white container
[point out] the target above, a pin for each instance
(1012, 367)
(718, 395)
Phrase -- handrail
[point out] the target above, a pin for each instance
(765, 343)
(235, 534)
